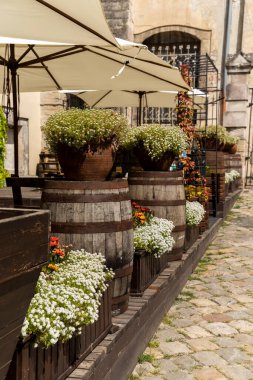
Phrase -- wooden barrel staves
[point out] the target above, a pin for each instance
(164, 193)
(96, 216)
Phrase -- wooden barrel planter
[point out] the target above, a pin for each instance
(24, 250)
(96, 216)
(59, 360)
(164, 193)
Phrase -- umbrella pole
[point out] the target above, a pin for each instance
(139, 121)
(13, 69)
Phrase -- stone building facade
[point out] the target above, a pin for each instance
(223, 29)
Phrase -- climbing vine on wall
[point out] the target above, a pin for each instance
(185, 106)
(195, 182)
(3, 140)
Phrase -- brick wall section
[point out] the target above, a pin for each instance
(119, 14)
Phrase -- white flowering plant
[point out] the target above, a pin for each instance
(83, 130)
(231, 176)
(67, 297)
(194, 213)
(217, 132)
(156, 140)
(154, 237)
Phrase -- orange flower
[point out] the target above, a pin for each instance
(59, 252)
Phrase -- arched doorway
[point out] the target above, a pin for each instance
(177, 48)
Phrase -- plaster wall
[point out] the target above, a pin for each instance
(203, 19)
(30, 109)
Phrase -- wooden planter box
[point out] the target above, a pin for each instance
(232, 186)
(58, 361)
(146, 268)
(145, 271)
(24, 250)
(191, 235)
(163, 261)
(203, 226)
(226, 189)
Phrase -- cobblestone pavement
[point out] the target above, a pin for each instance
(208, 333)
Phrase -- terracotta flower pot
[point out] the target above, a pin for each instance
(212, 144)
(147, 164)
(230, 148)
(85, 166)
(233, 149)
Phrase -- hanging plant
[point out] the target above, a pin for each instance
(3, 139)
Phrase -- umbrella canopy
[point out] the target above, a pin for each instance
(33, 22)
(140, 99)
(79, 22)
(46, 68)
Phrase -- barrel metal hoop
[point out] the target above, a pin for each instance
(125, 271)
(154, 182)
(154, 202)
(84, 198)
(91, 228)
(158, 174)
(86, 185)
(120, 299)
(179, 228)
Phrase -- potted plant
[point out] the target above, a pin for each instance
(155, 146)
(212, 136)
(231, 180)
(152, 241)
(231, 144)
(85, 141)
(195, 212)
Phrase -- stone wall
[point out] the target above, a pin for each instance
(119, 15)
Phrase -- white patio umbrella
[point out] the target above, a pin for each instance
(51, 67)
(140, 99)
(76, 22)
(33, 22)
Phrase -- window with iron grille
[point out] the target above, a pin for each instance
(176, 48)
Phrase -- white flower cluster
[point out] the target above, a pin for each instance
(157, 140)
(194, 213)
(67, 299)
(154, 237)
(231, 176)
(84, 129)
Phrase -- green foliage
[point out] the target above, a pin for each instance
(83, 130)
(167, 320)
(3, 140)
(219, 132)
(156, 140)
(153, 344)
(146, 358)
